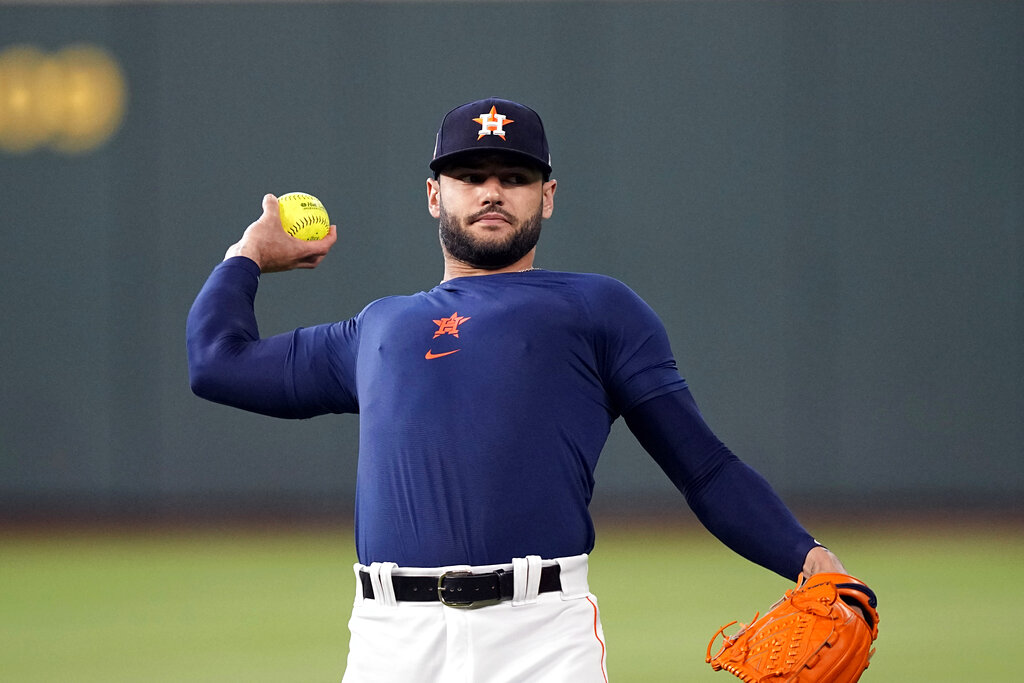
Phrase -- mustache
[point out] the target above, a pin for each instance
(491, 209)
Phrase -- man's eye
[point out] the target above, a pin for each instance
(473, 178)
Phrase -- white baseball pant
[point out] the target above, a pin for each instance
(552, 637)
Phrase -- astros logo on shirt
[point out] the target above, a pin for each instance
(447, 326)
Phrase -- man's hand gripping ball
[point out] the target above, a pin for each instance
(271, 247)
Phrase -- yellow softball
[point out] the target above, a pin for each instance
(303, 216)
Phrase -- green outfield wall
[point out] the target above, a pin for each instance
(823, 201)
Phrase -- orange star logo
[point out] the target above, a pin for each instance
(493, 123)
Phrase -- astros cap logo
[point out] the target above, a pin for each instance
(493, 123)
(484, 126)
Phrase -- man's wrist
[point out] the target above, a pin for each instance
(821, 559)
(241, 249)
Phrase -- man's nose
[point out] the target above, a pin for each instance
(491, 190)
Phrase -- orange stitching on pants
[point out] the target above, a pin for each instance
(598, 637)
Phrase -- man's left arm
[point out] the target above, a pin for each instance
(730, 498)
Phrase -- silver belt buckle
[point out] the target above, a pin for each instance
(456, 602)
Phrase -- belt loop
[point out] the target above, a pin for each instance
(526, 581)
(380, 580)
(359, 584)
(573, 574)
(386, 584)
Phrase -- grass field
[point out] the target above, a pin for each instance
(231, 605)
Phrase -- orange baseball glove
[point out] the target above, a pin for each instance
(811, 635)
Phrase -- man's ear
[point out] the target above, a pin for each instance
(434, 197)
(548, 198)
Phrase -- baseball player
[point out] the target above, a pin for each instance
(484, 403)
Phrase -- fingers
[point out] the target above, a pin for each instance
(318, 248)
(331, 237)
(271, 217)
(270, 205)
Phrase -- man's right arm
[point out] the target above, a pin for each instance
(288, 375)
(298, 374)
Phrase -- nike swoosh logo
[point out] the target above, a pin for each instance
(431, 355)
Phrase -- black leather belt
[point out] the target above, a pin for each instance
(462, 589)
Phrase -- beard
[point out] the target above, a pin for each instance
(489, 254)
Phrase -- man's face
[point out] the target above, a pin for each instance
(490, 209)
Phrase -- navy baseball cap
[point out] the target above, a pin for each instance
(492, 125)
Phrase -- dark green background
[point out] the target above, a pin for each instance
(823, 201)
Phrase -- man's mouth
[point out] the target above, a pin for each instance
(491, 217)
